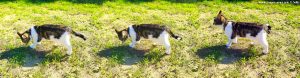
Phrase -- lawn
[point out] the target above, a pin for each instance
(201, 53)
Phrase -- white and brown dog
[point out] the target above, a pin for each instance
(253, 31)
(57, 33)
(157, 33)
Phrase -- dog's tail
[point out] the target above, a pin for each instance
(267, 28)
(172, 35)
(78, 35)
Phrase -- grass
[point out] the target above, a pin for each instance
(201, 53)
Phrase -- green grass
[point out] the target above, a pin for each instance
(201, 53)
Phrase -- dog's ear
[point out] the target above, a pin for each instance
(19, 34)
(220, 12)
(116, 30)
(269, 29)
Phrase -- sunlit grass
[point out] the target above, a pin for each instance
(201, 53)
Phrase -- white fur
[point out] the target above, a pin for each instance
(64, 39)
(34, 37)
(162, 39)
(261, 38)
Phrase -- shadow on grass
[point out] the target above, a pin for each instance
(129, 56)
(223, 55)
(28, 57)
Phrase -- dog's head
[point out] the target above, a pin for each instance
(220, 19)
(122, 35)
(25, 37)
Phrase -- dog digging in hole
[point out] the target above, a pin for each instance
(57, 33)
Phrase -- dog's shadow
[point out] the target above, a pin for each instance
(129, 56)
(26, 56)
(223, 55)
